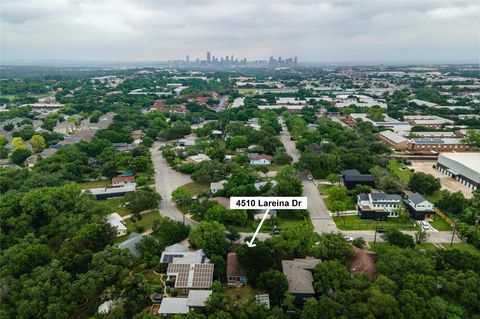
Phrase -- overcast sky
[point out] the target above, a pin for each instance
(321, 31)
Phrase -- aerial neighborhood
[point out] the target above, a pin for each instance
(116, 186)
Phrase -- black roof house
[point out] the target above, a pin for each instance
(352, 177)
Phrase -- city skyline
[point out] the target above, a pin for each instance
(315, 31)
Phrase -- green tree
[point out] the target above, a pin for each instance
(19, 156)
(18, 143)
(275, 283)
(472, 138)
(140, 200)
(421, 236)
(397, 238)
(423, 183)
(210, 236)
(181, 196)
(209, 171)
(333, 178)
(38, 142)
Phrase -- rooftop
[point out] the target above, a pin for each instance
(191, 275)
(299, 275)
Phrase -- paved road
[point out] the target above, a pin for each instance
(166, 181)
(321, 219)
(319, 215)
(285, 137)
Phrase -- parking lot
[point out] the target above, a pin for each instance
(447, 182)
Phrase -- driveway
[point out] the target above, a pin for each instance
(166, 181)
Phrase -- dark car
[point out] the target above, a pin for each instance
(276, 231)
(380, 230)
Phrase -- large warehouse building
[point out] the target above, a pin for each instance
(464, 167)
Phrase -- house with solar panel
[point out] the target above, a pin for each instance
(191, 276)
(180, 254)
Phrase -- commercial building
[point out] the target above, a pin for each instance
(394, 140)
(440, 144)
(431, 121)
(463, 167)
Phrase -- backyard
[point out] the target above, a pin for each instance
(116, 205)
(399, 169)
(241, 295)
(144, 224)
(95, 184)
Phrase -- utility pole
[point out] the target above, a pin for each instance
(453, 235)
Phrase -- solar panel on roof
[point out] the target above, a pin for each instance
(168, 258)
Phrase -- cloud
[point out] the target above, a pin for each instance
(169, 29)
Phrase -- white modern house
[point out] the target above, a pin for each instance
(378, 205)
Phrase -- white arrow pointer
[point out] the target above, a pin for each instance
(250, 243)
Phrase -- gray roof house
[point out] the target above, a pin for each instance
(131, 242)
(300, 277)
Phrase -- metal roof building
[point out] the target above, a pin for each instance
(464, 167)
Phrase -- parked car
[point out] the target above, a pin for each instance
(380, 230)
(425, 225)
(348, 238)
(275, 231)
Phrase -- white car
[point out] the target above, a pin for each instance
(348, 238)
(425, 225)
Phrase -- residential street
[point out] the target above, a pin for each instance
(166, 181)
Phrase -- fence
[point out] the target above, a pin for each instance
(445, 217)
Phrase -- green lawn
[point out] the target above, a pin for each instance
(399, 169)
(95, 184)
(116, 205)
(351, 203)
(464, 247)
(146, 222)
(240, 295)
(196, 188)
(275, 167)
(426, 246)
(440, 224)
(434, 197)
(353, 222)
(323, 189)
(282, 223)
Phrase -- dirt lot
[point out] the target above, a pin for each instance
(447, 182)
(364, 262)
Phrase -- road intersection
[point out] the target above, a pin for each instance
(167, 180)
